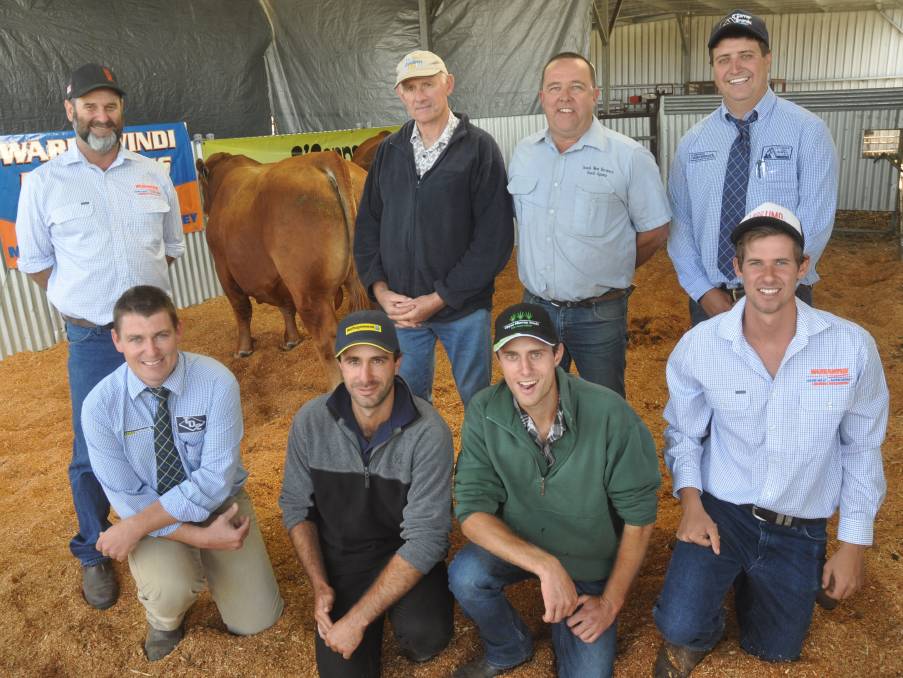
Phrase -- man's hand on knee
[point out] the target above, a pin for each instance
(345, 635)
(119, 540)
(844, 573)
(593, 617)
(227, 532)
(696, 526)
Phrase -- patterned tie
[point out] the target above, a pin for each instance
(733, 197)
(169, 467)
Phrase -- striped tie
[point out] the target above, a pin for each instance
(169, 467)
(733, 197)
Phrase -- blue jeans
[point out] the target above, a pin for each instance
(477, 579)
(92, 356)
(468, 344)
(775, 572)
(697, 315)
(594, 336)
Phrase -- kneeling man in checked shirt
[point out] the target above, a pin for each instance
(163, 434)
(776, 417)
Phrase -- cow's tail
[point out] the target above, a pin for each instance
(341, 184)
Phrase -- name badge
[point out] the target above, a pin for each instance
(777, 153)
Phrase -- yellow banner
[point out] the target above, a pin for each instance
(278, 147)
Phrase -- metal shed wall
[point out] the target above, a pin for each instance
(834, 50)
(864, 184)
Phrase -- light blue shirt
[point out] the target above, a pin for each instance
(792, 163)
(204, 403)
(101, 232)
(800, 444)
(578, 212)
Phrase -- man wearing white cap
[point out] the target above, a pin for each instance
(776, 417)
(755, 148)
(434, 228)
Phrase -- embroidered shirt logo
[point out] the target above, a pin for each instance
(150, 190)
(832, 376)
(702, 156)
(777, 153)
(191, 424)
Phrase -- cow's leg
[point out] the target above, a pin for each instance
(320, 321)
(241, 307)
(291, 337)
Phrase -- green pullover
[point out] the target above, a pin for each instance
(605, 461)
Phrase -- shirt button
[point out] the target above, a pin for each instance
(555, 184)
(551, 211)
(548, 239)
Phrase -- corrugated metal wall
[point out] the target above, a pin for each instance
(29, 323)
(864, 184)
(834, 50)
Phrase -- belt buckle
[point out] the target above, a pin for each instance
(756, 515)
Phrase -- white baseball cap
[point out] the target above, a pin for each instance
(770, 214)
(418, 64)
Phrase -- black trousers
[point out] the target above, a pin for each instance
(421, 621)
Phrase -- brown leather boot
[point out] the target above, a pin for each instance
(676, 661)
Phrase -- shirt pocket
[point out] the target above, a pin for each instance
(592, 205)
(193, 444)
(72, 223)
(728, 399)
(821, 410)
(780, 181)
(523, 191)
(148, 222)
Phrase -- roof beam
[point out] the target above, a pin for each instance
(614, 16)
(601, 26)
(889, 19)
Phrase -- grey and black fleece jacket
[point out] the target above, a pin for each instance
(400, 502)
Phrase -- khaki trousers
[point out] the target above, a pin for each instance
(169, 575)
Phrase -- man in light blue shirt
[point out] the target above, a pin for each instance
(590, 208)
(776, 417)
(92, 223)
(163, 434)
(792, 162)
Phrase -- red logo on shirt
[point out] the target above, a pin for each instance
(829, 376)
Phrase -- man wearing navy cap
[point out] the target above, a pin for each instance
(754, 148)
(92, 223)
(366, 499)
(556, 480)
(776, 417)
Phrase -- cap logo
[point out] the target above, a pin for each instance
(413, 63)
(363, 327)
(738, 18)
(769, 213)
(68, 89)
(107, 74)
(521, 319)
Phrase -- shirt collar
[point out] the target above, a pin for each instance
(594, 136)
(174, 383)
(763, 108)
(808, 322)
(446, 133)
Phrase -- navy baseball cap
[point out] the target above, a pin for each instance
(739, 23)
(524, 320)
(366, 328)
(90, 77)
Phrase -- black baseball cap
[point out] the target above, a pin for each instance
(89, 77)
(524, 320)
(739, 23)
(366, 328)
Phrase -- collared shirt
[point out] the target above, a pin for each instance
(403, 413)
(578, 212)
(555, 431)
(204, 403)
(801, 443)
(101, 232)
(792, 163)
(425, 158)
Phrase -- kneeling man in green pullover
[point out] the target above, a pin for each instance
(557, 480)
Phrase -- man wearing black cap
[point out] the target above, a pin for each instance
(93, 222)
(366, 501)
(754, 148)
(557, 480)
(776, 417)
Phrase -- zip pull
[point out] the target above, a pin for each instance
(542, 486)
(367, 477)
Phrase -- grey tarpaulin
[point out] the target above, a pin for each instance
(200, 61)
(333, 63)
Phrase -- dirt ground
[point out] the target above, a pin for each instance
(47, 630)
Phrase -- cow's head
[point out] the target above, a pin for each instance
(212, 172)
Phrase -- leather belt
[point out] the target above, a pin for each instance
(735, 293)
(611, 295)
(78, 322)
(767, 516)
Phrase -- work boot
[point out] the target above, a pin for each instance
(676, 661)
(480, 668)
(99, 585)
(159, 643)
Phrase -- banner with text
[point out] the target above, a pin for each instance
(167, 143)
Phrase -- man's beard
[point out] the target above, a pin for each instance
(101, 145)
